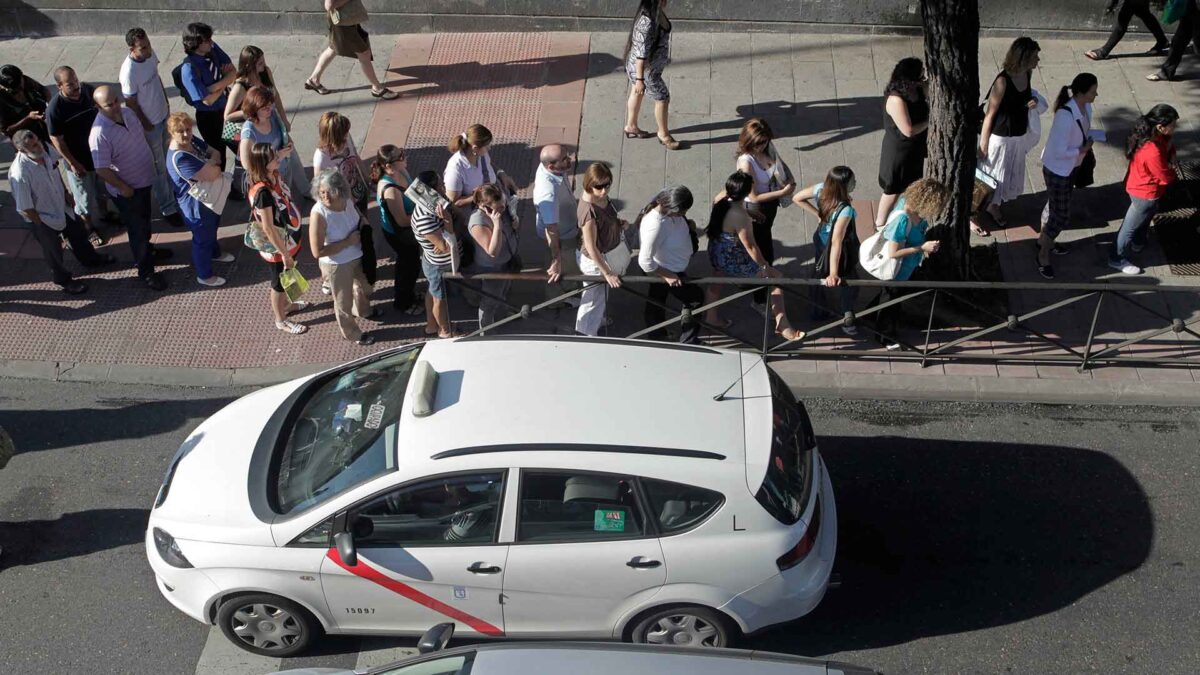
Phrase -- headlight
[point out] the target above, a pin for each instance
(168, 550)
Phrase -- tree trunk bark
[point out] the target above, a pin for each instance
(952, 66)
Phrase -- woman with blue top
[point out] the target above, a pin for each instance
(905, 235)
(264, 125)
(189, 160)
(830, 203)
(389, 170)
(734, 252)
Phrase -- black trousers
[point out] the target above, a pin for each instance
(1187, 31)
(210, 124)
(1129, 9)
(407, 268)
(689, 295)
(135, 214)
(763, 236)
(887, 320)
(52, 249)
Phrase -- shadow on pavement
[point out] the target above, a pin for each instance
(941, 537)
(33, 542)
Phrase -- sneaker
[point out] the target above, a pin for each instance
(325, 289)
(1125, 266)
(155, 282)
(851, 331)
(213, 281)
(1047, 271)
(225, 258)
(892, 346)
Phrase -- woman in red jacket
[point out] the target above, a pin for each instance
(1151, 156)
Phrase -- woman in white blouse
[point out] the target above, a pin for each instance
(1067, 144)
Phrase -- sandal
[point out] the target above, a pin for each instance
(316, 86)
(366, 340)
(980, 231)
(791, 334)
(1095, 55)
(297, 306)
(637, 133)
(96, 239)
(670, 142)
(291, 327)
(385, 94)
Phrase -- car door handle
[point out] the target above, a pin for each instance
(641, 563)
(481, 568)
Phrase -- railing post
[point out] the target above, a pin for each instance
(929, 328)
(767, 317)
(1087, 350)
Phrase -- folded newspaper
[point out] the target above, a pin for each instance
(426, 196)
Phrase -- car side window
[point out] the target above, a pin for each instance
(458, 664)
(445, 511)
(570, 506)
(678, 507)
(317, 537)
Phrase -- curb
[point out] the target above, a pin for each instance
(971, 388)
(157, 375)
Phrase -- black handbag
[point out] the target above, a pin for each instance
(1084, 174)
(849, 255)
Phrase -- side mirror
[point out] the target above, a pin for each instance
(344, 543)
(435, 639)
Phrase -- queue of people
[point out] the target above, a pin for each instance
(145, 155)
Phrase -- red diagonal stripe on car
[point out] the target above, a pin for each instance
(365, 571)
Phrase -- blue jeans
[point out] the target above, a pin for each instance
(1135, 229)
(157, 138)
(433, 273)
(204, 242)
(84, 190)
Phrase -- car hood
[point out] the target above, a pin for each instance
(216, 484)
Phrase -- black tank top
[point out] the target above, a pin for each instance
(1012, 115)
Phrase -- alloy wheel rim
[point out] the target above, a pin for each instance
(266, 626)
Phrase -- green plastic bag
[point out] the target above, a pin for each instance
(294, 283)
(1174, 10)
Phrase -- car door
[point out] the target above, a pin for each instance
(583, 548)
(426, 552)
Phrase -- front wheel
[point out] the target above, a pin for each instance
(267, 624)
(688, 626)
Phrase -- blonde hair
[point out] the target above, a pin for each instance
(597, 172)
(926, 197)
(476, 135)
(332, 130)
(178, 121)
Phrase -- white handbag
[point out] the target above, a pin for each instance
(211, 193)
(873, 253)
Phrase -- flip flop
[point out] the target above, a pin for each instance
(1094, 55)
(319, 88)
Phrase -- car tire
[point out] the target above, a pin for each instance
(267, 624)
(684, 626)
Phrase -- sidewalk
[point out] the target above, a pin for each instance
(821, 93)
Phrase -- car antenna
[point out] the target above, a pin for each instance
(721, 396)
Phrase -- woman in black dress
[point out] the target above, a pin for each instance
(905, 122)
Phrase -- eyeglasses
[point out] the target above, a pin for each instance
(601, 186)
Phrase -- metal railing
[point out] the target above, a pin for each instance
(1176, 317)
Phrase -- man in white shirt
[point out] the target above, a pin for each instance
(667, 248)
(42, 200)
(145, 96)
(557, 218)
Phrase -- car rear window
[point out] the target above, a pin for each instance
(785, 488)
(679, 507)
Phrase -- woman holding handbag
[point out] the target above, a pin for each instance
(835, 241)
(1002, 144)
(274, 229)
(264, 125)
(335, 149)
(333, 234)
(190, 161)
(733, 251)
(603, 250)
(1065, 159)
(772, 183)
(495, 241)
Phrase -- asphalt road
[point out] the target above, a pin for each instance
(972, 538)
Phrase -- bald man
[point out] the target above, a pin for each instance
(557, 218)
(125, 163)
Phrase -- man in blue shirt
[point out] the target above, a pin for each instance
(207, 74)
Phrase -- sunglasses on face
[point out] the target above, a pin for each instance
(601, 186)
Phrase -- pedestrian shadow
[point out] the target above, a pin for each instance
(938, 537)
(825, 122)
(523, 73)
(33, 542)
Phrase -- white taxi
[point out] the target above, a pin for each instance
(519, 486)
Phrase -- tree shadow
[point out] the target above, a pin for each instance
(33, 542)
(939, 537)
(829, 120)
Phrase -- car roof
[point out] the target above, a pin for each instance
(538, 393)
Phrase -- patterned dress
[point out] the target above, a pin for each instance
(657, 53)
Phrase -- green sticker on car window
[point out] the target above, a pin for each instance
(609, 521)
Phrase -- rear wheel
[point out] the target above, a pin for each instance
(684, 626)
(267, 624)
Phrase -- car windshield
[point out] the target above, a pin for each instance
(784, 491)
(345, 434)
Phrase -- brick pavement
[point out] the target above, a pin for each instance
(821, 93)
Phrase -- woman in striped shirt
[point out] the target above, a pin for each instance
(434, 231)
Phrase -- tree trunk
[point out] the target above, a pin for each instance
(952, 66)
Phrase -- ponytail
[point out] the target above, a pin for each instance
(1145, 129)
(387, 154)
(1082, 83)
(476, 135)
(737, 187)
(674, 201)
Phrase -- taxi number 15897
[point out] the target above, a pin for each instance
(360, 610)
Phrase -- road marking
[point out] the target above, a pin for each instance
(380, 651)
(222, 657)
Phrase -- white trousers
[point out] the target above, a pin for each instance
(594, 299)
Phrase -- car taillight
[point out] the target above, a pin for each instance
(800, 551)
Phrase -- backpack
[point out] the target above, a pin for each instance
(177, 78)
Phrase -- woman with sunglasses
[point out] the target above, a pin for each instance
(603, 251)
(389, 170)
